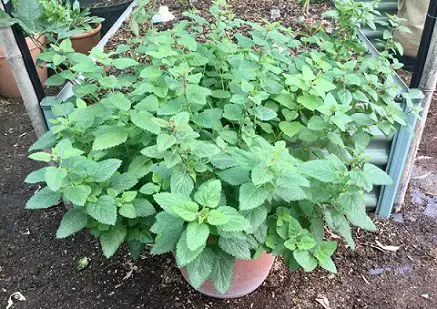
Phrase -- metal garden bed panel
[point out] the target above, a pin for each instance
(387, 152)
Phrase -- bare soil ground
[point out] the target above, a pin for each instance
(43, 268)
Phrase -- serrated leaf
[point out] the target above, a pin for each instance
(256, 217)
(308, 101)
(234, 176)
(104, 169)
(77, 194)
(112, 239)
(128, 211)
(36, 176)
(322, 170)
(216, 217)
(124, 63)
(118, 100)
(104, 210)
(305, 259)
(235, 247)
(168, 200)
(45, 141)
(44, 198)
(112, 137)
(73, 221)
(197, 94)
(209, 193)
(376, 175)
(261, 174)
(355, 208)
(165, 141)
(200, 269)
(181, 182)
(143, 208)
(290, 128)
(222, 161)
(236, 221)
(251, 196)
(264, 113)
(222, 272)
(184, 255)
(41, 156)
(143, 120)
(187, 210)
(221, 94)
(197, 235)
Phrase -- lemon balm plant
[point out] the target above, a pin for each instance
(219, 147)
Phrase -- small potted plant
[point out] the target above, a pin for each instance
(65, 20)
(221, 148)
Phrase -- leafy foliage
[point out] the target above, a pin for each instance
(220, 148)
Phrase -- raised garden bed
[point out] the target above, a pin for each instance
(388, 152)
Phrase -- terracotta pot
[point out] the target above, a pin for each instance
(84, 42)
(8, 86)
(248, 276)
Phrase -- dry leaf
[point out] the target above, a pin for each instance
(323, 301)
(387, 248)
(17, 296)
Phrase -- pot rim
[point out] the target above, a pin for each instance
(87, 34)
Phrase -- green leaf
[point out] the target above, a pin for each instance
(55, 80)
(235, 247)
(306, 243)
(143, 120)
(187, 210)
(112, 239)
(104, 169)
(168, 200)
(77, 194)
(36, 176)
(222, 272)
(197, 94)
(322, 86)
(307, 73)
(124, 63)
(256, 217)
(41, 156)
(197, 235)
(290, 128)
(128, 211)
(234, 176)
(45, 141)
(54, 177)
(233, 112)
(209, 193)
(221, 94)
(104, 210)
(118, 100)
(236, 221)
(166, 222)
(251, 196)
(181, 182)
(305, 259)
(73, 221)
(376, 175)
(200, 269)
(165, 141)
(322, 170)
(44, 198)
(184, 255)
(216, 217)
(143, 208)
(261, 174)
(308, 101)
(123, 182)
(263, 113)
(112, 137)
(353, 203)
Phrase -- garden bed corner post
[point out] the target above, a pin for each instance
(427, 85)
(28, 92)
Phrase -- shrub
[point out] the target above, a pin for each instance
(218, 141)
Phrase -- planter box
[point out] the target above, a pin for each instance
(387, 152)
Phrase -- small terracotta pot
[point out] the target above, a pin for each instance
(84, 42)
(8, 86)
(248, 276)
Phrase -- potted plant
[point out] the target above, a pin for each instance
(69, 20)
(110, 11)
(221, 148)
(35, 42)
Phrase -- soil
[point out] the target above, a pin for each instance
(43, 268)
